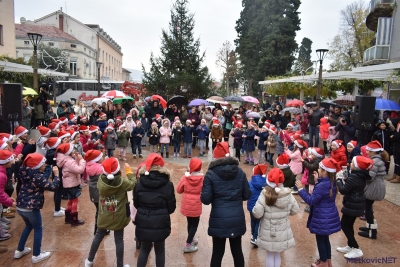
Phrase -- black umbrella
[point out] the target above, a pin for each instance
(178, 100)
(234, 98)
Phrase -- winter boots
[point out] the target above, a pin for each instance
(74, 219)
(392, 178)
(167, 154)
(67, 216)
(369, 231)
(319, 263)
(396, 180)
(162, 154)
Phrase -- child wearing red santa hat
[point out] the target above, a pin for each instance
(123, 140)
(282, 162)
(237, 133)
(190, 186)
(44, 135)
(338, 152)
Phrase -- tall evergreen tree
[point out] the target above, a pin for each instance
(303, 61)
(178, 70)
(266, 38)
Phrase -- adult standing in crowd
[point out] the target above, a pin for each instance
(314, 118)
(334, 117)
(64, 109)
(228, 114)
(154, 109)
(38, 112)
(26, 114)
(345, 127)
(183, 113)
(171, 112)
(44, 96)
(195, 121)
(120, 112)
(226, 187)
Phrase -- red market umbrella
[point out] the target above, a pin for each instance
(294, 103)
(114, 94)
(161, 100)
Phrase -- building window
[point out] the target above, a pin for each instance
(51, 44)
(73, 45)
(102, 69)
(72, 66)
(103, 55)
(84, 49)
(106, 56)
(26, 42)
(1, 35)
(90, 68)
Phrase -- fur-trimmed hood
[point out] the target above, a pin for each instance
(226, 168)
(158, 176)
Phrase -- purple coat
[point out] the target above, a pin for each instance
(237, 138)
(324, 216)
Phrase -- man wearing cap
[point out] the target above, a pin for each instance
(314, 118)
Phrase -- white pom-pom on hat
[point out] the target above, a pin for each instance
(227, 155)
(146, 173)
(110, 177)
(187, 174)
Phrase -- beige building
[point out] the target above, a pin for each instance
(7, 29)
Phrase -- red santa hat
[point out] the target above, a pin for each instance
(110, 167)
(152, 160)
(318, 152)
(93, 155)
(352, 143)
(63, 120)
(176, 118)
(374, 146)
(118, 119)
(3, 144)
(83, 128)
(6, 156)
(203, 120)
(250, 124)
(72, 117)
(64, 134)
(329, 165)
(20, 130)
(65, 149)
(283, 161)
(83, 118)
(239, 124)
(195, 165)
(93, 128)
(73, 134)
(121, 126)
(273, 129)
(110, 126)
(296, 137)
(189, 121)
(165, 121)
(158, 117)
(53, 126)
(363, 163)
(267, 122)
(260, 169)
(275, 178)
(128, 116)
(221, 150)
(301, 143)
(103, 114)
(43, 130)
(290, 124)
(138, 122)
(56, 121)
(52, 142)
(215, 122)
(34, 161)
(6, 137)
(337, 143)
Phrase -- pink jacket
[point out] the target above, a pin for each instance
(190, 187)
(94, 168)
(4, 198)
(295, 163)
(165, 134)
(71, 170)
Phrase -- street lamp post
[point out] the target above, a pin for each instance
(35, 39)
(321, 53)
(98, 65)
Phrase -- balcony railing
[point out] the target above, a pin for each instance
(375, 3)
(376, 54)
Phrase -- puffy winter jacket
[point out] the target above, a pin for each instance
(202, 134)
(237, 138)
(191, 186)
(275, 233)
(165, 133)
(295, 163)
(346, 132)
(279, 149)
(4, 198)
(34, 182)
(324, 128)
(177, 134)
(225, 188)
(187, 134)
(41, 149)
(324, 217)
(135, 132)
(256, 186)
(383, 137)
(94, 170)
(123, 138)
(154, 199)
(248, 141)
(315, 117)
(154, 137)
(194, 118)
(340, 155)
(111, 140)
(376, 188)
(271, 148)
(263, 137)
(290, 178)
(217, 133)
(353, 191)
(71, 170)
(311, 166)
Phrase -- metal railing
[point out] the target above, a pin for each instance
(378, 52)
(374, 3)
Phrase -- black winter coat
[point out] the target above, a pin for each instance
(383, 137)
(356, 152)
(154, 200)
(290, 178)
(225, 187)
(353, 191)
(396, 145)
(312, 166)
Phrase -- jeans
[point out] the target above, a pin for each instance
(369, 212)
(194, 140)
(261, 157)
(119, 245)
(177, 147)
(144, 139)
(324, 247)
(192, 225)
(347, 223)
(136, 145)
(202, 143)
(254, 223)
(207, 141)
(33, 220)
(187, 149)
(270, 159)
(166, 146)
(58, 192)
(110, 153)
(313, 131)
(159, 249)
(219, 250)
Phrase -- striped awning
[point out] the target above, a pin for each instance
(384, 32)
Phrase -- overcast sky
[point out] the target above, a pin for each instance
(136, 24)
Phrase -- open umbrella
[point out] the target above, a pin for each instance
(346, 100)
(119, 100)
(198, 102)
(161, 100)
(253, 114)
(114, 94)
(294, 103)
(292, 110)
(28, 91)
(312, 103)
(178, 100)
(250, 99)
(99, 101)
(385, 104)
(233, 98)
(217, 99)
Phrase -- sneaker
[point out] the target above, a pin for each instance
(195, 241)
(4, 235)
(174, 155)
(302, 201)
(354, 253)
(134, 156)
(295, 192)
(88, 263)
(59, 213)
(345, 249)
(140, 156)
(253, 241)
(191, 248)
(61, 208)
(42, 256)
(5, 220)
(307, 209)
(18, 254)
(4, 226)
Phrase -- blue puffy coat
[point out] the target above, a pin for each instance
(324, 216)
(102, 125)
(187, 134)
(248, 142)
(263, 137)
(225, 187)
(200, 133)
(256, 186)
(135, 132)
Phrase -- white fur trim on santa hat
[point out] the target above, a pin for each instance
(270, 184)
(314, 152)
(188, 121)
(71, 147)
(55, 145)
(297, 144)
(97, 159)
(3, 145)
(43, 161)
(187, 174)
(374, 149)
(336, 143)
(22, 133)
(281, 166)
(73, 135)
(355, 163)
(326, 168)
(5, 161)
